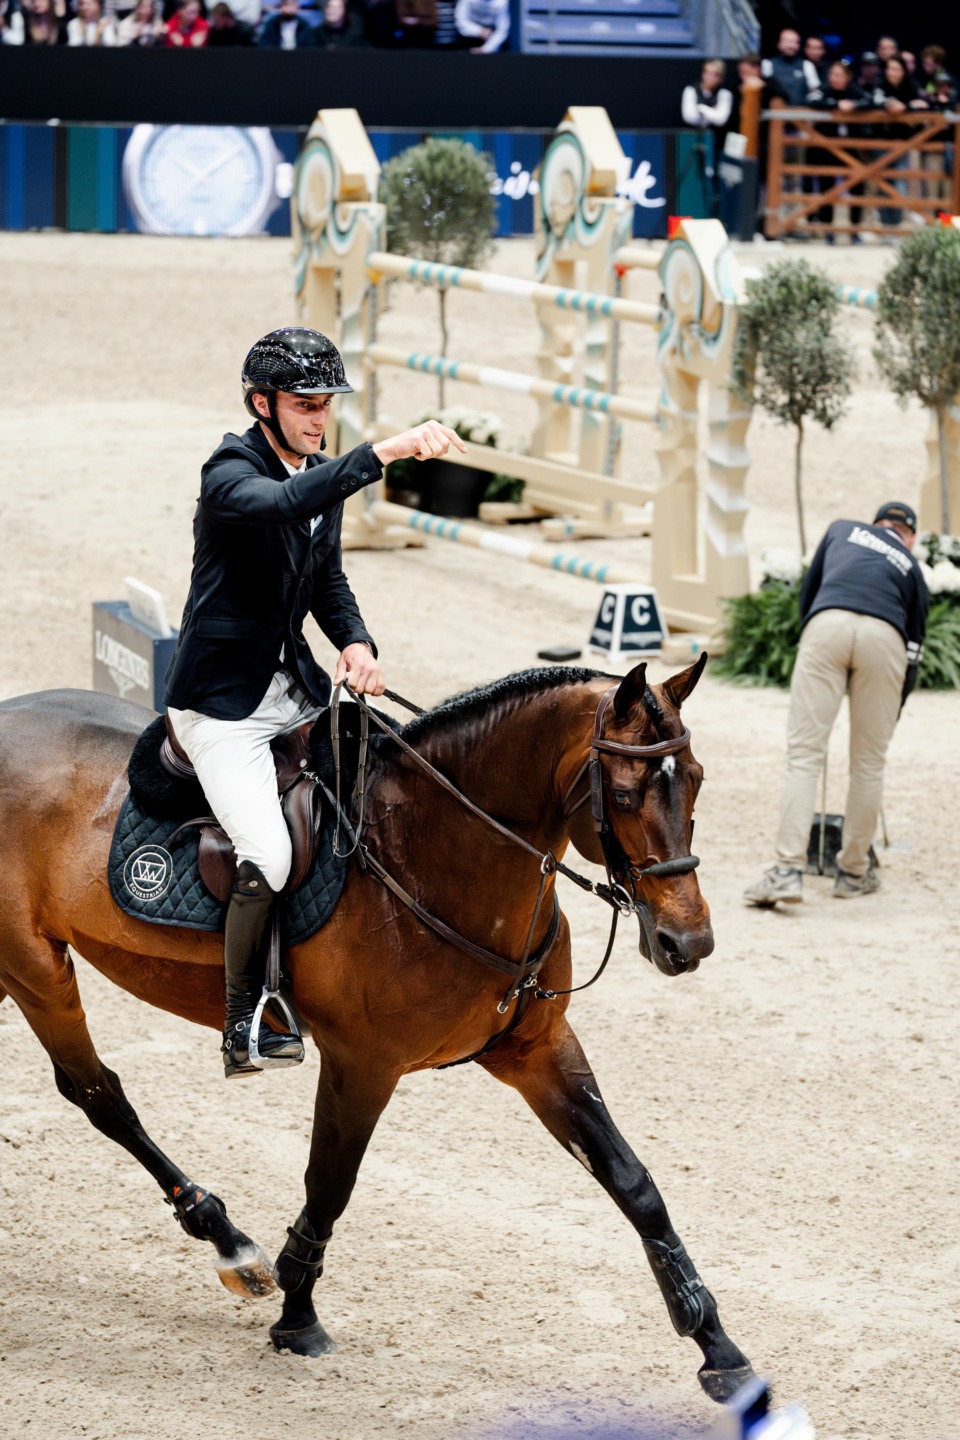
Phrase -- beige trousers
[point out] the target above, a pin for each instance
(840, 651)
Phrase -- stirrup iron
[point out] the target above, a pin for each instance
(271, 992)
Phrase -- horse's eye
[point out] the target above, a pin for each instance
(626, 799)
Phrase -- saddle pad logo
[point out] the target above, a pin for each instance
(148, 872)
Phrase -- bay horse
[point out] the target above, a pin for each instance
(382, 991)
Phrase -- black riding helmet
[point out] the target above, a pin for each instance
(297, 361)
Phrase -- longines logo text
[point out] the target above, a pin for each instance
(125, 666)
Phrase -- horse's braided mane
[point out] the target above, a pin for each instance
(477, 704)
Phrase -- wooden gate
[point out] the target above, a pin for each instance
(812, 165)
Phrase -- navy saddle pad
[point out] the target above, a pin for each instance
(161, 884)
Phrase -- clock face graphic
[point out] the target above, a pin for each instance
(200, 179)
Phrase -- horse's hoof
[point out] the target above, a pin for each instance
(722, 1385)
(249, 1275)
(312, 1340)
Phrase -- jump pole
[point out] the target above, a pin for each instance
(443, 277)
(573, 396)
(853, 295)
(463, 533)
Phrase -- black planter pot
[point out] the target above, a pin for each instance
(451, 490)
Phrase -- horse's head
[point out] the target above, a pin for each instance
(638, 817)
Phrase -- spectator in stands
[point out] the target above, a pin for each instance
(815, 50)
(896, 93)
(90, 26)
(11, 23)
(484, 22)
(143, 26)
(887, 48)
(840, 95)
(226, 29)
(750, 75)
(42, 24)
(933, 64)
(287, 29)
(708, 106)
(341, 27)
(944, 92)
(795, 75)
(187, 30)
(909, 60)
(869, 72)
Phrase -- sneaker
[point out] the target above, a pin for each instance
(847, 886)
(780, 883)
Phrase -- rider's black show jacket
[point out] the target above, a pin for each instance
(258, 570)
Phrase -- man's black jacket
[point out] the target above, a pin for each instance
(257, 571)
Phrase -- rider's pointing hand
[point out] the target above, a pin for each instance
(429, 441)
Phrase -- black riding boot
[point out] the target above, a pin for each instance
(248, 916)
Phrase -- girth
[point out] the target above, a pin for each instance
(300, 802)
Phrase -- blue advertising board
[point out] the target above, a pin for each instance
(232, 180)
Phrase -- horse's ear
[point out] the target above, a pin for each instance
(630, 691)
(678, 687)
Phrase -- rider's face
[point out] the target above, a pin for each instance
(303, 419)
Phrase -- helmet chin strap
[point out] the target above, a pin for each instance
(272, 422)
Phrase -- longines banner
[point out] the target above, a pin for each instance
(227, 180)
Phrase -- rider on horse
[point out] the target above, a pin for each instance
(266, 550)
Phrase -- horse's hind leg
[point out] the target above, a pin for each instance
(558, 1085)
(40, 978)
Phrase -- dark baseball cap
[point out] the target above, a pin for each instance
(898, 511)
(869, 57)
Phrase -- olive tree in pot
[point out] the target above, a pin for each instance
(917, 346)
(440, 209)
(789, 358)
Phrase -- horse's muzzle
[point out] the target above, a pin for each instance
(677, 952)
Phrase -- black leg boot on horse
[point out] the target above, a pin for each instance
(248, 917)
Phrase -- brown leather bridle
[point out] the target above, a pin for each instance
(619, 891)
(621, 874)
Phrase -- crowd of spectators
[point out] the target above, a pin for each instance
(886, 78)
(806, 74)
(479, 26)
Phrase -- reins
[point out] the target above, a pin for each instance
(615, 893)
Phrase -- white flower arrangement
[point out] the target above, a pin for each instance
(782, 564)
(943, 578)
(477, 425)
(931, 549)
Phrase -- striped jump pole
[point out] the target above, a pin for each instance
(463, 533)
(575, 396)
(444, 277)
(853, 295)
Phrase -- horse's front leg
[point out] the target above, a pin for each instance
(350, 1101)
(558, 1084)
